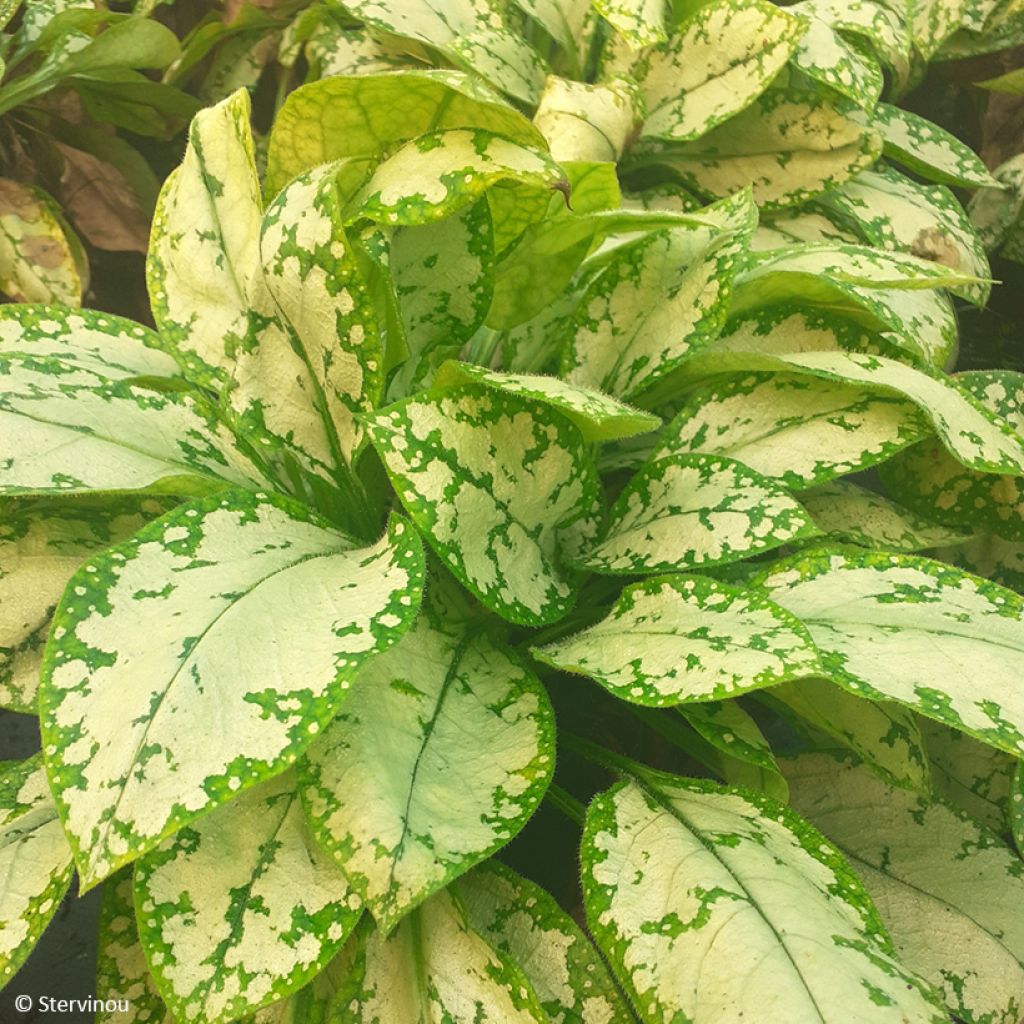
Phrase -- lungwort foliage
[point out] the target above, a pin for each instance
(559, 386)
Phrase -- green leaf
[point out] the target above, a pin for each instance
(438, 758)
(167, 673)
(1012, 82)
(640, 22)
(681, 639)
(433, 967)
(715, 65)
(712, 903)
(951, 893)
(438, 173)
(882, 734)
(687, 511)
(42, 543)
(905, 628)
(523, 921)
(598, 416)
(368, 115)
(35, 862)
(241, 908)
(895, 213)
(41, 260)
(130, 43)
(928, 150)
(859, 516)
(490, 478)
(658, 300)
(790, 145)
(793, 428)
(973, 777)
(563, 20)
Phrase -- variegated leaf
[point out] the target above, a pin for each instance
(928, 150)
(791, 227)
(932, 22)
(679, 874)
(996, 211)
(433, 967)
(687, 511)
(584, 122)
(741, 754)
(658, 300)
(439, 757)
(995, 558)
(69, 430)
(563, 20)
(169, 685)
(438, 173)
(35, 861)
(640, 22)
(471, 33)
(521, 920)
(681, 639)
(715, 65)
(882, 734)
(598, 416)
(950, 892)
(490, 478)
(972, 776)
(790, 145)
(1017, 808)
(796, 429)
(42, 543)
(905, 628)
(859, 516)
(368, 115)
(41, 259)
(893, 212)
(241, 908)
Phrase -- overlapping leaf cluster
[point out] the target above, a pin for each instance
(637, 410)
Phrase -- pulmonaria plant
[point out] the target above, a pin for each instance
(437, 435)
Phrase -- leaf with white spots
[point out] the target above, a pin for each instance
(972, 776)
(688, 511)
(895, 213)
(791, 227)
(366, 116)
(172, 681)
(71, 430)
(657, 301)
(988, 555)
(932, 22)
(241, 908)
(563, 20)
(882, 734)
(715, 65)
(909, 629)
(523, 921)
(440, 172)
(790, 145)
(35, 861)
(714, 904)
(440, 755)
(856, 515)
(639, 22)
(490, 478)
(928, 150)
(949, 891)
(796, 429)
(42, 542)
(681, 639)
(996, 211)
(588, 123)
(472, 34)
(41, 259)
(598, 416)
(433, 968)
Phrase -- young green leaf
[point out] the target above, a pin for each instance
(681, 639)
(241, 908)
(521, 920)
(433, 967)
(687, 511)
(35, 861)
(950, 892)
(712, 904)
(149, 687)
(490, 478)
(715, 65)
(909, 629)
(438, 758)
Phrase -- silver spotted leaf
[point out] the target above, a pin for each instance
(175, 677)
